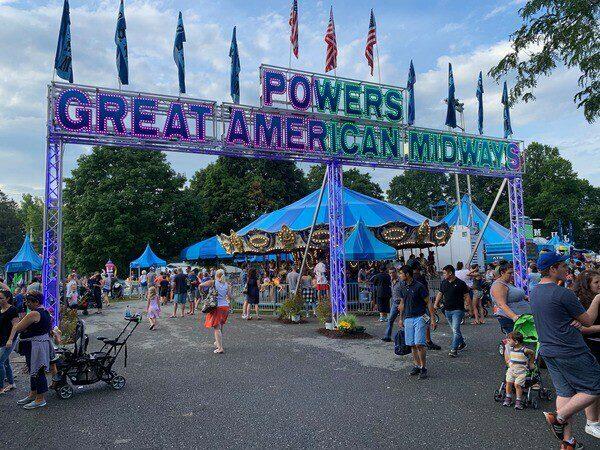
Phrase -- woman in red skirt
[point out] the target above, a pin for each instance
(216, 318)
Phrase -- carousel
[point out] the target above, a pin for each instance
(286, 230)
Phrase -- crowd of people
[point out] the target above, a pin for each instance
(562, 294)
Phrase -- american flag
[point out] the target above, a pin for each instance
(294, 27)
(331, 60)
(371, 41)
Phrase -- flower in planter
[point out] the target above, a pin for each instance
(344, 325)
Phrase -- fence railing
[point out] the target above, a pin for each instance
(360, 296)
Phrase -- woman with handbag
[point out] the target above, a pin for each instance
(216, 307)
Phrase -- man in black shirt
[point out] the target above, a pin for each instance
(180, 297)
(420, 278)
(455, 293)
(414, 301)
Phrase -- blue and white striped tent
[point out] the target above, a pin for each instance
(362, 245)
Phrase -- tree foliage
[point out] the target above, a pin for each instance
(556, 31)
(353, 179)
(119, 199)
(232, 192)
(11, 230)
(31, 215)
(417, 190)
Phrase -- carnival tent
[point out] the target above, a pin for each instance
(493, 234)
(357, 206)
(148, 259)
(25, 260)
(209, 248)
(362, 245)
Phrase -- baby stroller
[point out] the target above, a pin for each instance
(533, 382)
(79, 368)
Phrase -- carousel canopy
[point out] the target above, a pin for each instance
(357, 206)
(493, 234)
(148, 259)
(26, 259)
(209, 248)
(286, 230)
(362, 245)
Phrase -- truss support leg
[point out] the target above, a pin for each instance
(337, 256)
(52, 253)
(517, 231)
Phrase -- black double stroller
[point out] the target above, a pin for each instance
(78, 367)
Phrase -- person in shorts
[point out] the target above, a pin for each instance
(575, 373)
(180, 292)
(413, 303)
(519, 360)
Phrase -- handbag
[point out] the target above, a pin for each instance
(210, 303)
(400, 347)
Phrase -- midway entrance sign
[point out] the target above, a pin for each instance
(302, 116)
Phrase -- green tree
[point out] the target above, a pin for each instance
(553, 32)
(353, 179)
(232, 192)
(11, 229)
(31, 214)
(119, 199)
(419, 189)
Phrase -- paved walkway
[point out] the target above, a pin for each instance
(281, 386)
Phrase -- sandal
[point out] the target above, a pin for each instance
(218, 352)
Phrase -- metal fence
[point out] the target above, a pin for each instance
(360, 296)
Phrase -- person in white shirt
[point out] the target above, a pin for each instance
(321, 279)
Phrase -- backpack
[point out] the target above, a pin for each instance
(400, 347)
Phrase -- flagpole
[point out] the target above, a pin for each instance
(290, 60)
(378, 64)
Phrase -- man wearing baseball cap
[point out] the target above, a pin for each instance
(575, 373)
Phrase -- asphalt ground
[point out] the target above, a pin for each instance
(281, 386)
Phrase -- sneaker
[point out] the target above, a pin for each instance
(593, 430)
(415, 371)
(461, 346)
(386, 339)
(34, 404)
(507, 401)
(556, 428)
(564, 445)
(244, 316)
(453, 353)
(432, 346)
(423, 374)
(519, 404)
(25, 400)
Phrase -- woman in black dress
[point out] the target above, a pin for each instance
(382, 283)
(252, 294)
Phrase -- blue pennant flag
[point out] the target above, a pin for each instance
(507, 128)
(410, 85)
(178, 53)
(480, 103)
(451, 112)
(121, 42)
(235, 69)
(63, 61)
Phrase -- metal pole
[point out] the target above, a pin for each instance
(487, 221)
(458, 199)
(312, 228)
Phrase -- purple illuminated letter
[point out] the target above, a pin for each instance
(200, 111)
(293, 132)
(83, 115)
(273, 83)
(176, 123)
(114, 108)
(238, 129)
(141, 114)
(316, 133)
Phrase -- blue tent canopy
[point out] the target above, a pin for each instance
(558, 242)
(148, 259)
(26, 259)
(493, 234)
(299, 215)
(440, 204)
(209, 248)
(362, 245)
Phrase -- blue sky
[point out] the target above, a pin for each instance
(473, 35)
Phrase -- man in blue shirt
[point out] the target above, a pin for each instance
(558, 317)
(414, 302)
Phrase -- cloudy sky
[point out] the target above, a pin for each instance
(472, 34)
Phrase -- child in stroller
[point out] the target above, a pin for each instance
(520, 361)
(532, 381)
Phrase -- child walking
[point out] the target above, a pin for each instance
(519, 359)
(153, 307)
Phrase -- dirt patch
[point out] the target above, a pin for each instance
(288, 321)
(336, 334)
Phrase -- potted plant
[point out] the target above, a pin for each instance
(324, 313)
